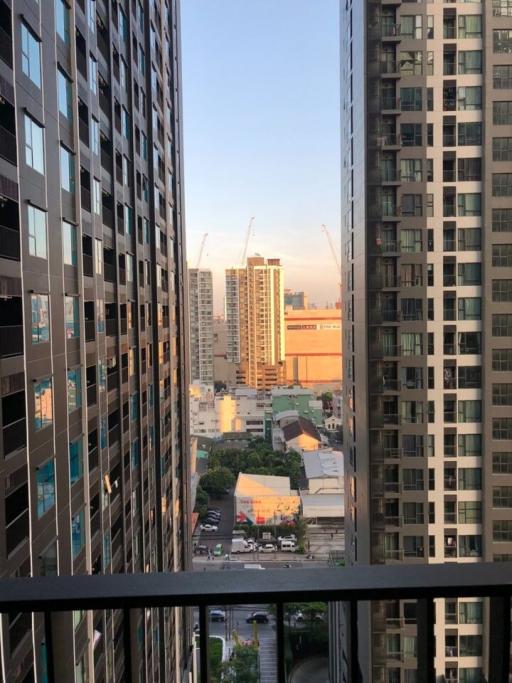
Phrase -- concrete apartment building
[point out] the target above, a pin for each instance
(223, 370)
(94, 447)
(255, 322)
(427, 304)
(200, 294)
(313, 348)
(296, 300)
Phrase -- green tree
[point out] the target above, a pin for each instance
(201, 505)
(217, 482)
(243, 665)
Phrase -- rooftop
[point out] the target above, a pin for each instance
(323, 463)
(300, 426)
(262, 485)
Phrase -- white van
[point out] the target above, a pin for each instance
(288, 546)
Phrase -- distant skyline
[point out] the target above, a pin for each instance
(261, 127)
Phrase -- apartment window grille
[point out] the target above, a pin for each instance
(502, 113)
(502, 184)
(502, 394)
(502, 462)
(502, 530)
(502, 290)
(502, 41)
(502, 428)
(502, 496)
(502, 148)
(502, 360)
(502, 325)
(502, 76)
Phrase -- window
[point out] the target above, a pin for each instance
(411, 134)
(72, 318)
(502, 148)
(502, 290)
(470, 376)
(469, 445)
(502, 394)
(69, 243)
(96, 196)
(62, 20)
(410, 26)
(411, 344)
(470, 133)
(93, 75)
(98, 256)
(502, 220)
(100, 311)
(470, 646)
(502, 463)
(67, 170)
(45, 485)
(410, 99)
(64, 94)
(76, 461)
(43, 403)
(470, 546)
(470, 61)
(125, 123)
(95, 136)
(74, 389)
(469, 239)
(123, 25)
(34, 145)
(502, 496)
(469, 98)
(470, 411)
(470, 478)
(470, 612)
(470, 342)
(102, 376)
(48, 561)
(412, 205)
(470, 308)
(470, 204)
(502, 184)
(502, 360)
(502, 530)
(502, 76)
(502, 325)
(91, 15)
(410, 240)
(129, 267)
(502, 428)
(502, 113)
(78, 533)
(37, 232)
(502, 41)
(502, 8)
(469, 274)
(30, 55)
(40, 318)
(470, 26)
(470, 512)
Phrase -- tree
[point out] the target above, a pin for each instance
(243, 665)
(326, 399)
(217, 482)
(219, 386)
(201, 505)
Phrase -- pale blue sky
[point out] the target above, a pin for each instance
(261, 126)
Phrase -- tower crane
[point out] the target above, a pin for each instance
(201, 249)
(334, 253)
(246, 243)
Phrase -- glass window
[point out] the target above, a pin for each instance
(470, 478)
(64, 93)
(102, 375)
(502, 496)
(502, 394)
(502, 76)
(40, 318)
(129, 268)
(123, 25)
(45, 484)
(502, 113)
(96, 196)
(34, 145)
(76, 460)
(470, 612)
(91, 15)
(69, 243)
(470, 411)
(93, 75)
(78, 532)
(470, 512)
(470, 133)
(469, 445)
(62, 20)
(37, 232)
(502, 148)
(74, 389)
(502, 184)
(470, 239)
(30, 55)
(469, 98)
(95, 136)
(100, 311)
(502, 463)
(470, 26)
(43, 403)
(469, 274)
(98, 256)
(410, 99)
(470, 546)
(48, 561)
(125, 123)
(502, 8)
(502, 290)
(72, 317)
(470, 61)
(470, 204)
(502, 325)
(502, 41)
(67, 170)
(470, 308)
(502, 360)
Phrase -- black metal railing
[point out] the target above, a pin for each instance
(9, 243)
(11, 340)
(350, 585)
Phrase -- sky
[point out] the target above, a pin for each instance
(261, 136)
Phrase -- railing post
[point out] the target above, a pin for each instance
(499, 639)
(127, 643)
(281, 663)
(426, 641)
(204, 676)
(48, 638)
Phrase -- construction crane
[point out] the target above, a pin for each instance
(246, 243)
(334, 253)
(201, 249)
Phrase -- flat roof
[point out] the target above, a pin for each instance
(323, 463)
(262, 485)
(323, 504)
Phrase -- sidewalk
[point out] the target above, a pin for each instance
(313, 670)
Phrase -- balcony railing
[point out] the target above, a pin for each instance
(11, 340)
(350, 585)
(8, 145)
(9, 243)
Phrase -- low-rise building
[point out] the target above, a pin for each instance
(295, 433)
(297, 398)
(324, 471)
(265, 499)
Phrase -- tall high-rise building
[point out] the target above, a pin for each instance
(255, 322)
(427, 288)
(93, 329)
(200, 293)
(295, 300)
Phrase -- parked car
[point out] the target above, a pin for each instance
(288, 546)
(290, 537)
(217, 615)
(268, 548)
(208, 527)
(211, 520)
(258, 617)
(201, 549)
(218, 550)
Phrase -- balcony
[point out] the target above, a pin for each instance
(9, 243)
(11, 340)
(51, 595)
